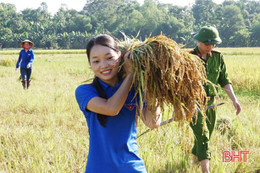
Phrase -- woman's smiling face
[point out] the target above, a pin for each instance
(104, 62)
(26, 45)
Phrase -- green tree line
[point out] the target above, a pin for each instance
(237, 21)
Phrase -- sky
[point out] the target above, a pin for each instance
(54, 5)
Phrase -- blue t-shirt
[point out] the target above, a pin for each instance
(112, 149)
(25, 57)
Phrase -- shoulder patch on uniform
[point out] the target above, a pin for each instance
(194, 53)
(217, 51)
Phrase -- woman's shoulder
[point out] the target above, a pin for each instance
(85, 88)
(84, 93)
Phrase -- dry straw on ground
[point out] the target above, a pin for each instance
(168, 75)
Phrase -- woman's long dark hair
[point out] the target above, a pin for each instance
(103, 40)
(107, 41)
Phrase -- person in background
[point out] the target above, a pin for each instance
(25, 60)
(207, 38)
(109, 106)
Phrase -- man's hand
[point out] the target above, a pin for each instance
(237, 106)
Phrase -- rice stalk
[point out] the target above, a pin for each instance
(178, 76)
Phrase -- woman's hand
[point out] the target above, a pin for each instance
(152, 120)
(113, 105)
(128, 62)
(28, 65)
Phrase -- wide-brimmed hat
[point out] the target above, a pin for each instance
(30, 42)
(208, 35)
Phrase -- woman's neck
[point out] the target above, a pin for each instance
(112, 82)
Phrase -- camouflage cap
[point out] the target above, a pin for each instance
(208, 35)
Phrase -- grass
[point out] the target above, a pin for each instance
(43, 130)
(40, 51)
(240, 51)
(245, 76)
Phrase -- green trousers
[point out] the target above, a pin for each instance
(201, 141)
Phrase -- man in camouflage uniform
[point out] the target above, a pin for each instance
(207, 38)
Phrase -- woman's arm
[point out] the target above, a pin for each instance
(114, 104)
(32, 57)
(19, 59)
(152, 121)
(31, 60)
(229, 90)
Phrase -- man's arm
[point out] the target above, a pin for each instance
(229, 90)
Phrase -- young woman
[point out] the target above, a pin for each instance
(110, 108)
(26, 58)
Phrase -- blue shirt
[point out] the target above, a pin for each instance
(112, 149)
(25, 57)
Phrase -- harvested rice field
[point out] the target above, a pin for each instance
(43, 130)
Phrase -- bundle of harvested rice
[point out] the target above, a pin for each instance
(168, 75)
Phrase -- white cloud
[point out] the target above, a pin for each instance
(54, 5)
